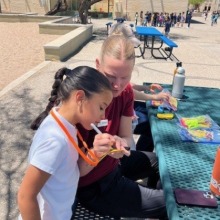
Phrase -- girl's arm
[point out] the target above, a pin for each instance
(145, 97)
(151, 88)
(31, 185)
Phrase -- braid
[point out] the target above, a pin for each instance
(53, 100)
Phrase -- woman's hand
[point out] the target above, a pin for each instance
(120, 148)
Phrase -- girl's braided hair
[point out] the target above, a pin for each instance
(81, 78)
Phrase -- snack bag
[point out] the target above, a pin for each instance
(199, 129)
(171, 104)
(198, 122)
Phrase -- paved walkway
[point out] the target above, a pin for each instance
(25, 98)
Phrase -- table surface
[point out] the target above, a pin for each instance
(186, 164)
(148, 31)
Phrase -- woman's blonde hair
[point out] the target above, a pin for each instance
(126, 31)
(118, 47)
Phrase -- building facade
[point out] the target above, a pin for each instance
(128, 8)
(116, 8)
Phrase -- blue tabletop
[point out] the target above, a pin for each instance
(186, 164)
(148, 31)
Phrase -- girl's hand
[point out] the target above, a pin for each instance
(153, 87)
(102, 144)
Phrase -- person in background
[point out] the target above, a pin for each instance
(111, 187)
(189, 18)
(174, 19)
(136, 18)
(216, 17)
(49, 185)
(178, 19)
(167, 26)
(205, 15)
(212, 18)
(141, 18)
(182, 19)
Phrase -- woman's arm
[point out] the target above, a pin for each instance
(125, 129)
(31, 185)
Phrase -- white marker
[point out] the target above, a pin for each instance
(95, 128)
(99, 132)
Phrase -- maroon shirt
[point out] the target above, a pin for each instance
(120, 106)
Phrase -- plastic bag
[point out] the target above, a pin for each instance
(171, 104)
(198, 122)
(199, 129)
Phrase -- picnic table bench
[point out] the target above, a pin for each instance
(155, 35)
(81, 212)
(168, 50)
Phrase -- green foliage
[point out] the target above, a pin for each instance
(196, 2)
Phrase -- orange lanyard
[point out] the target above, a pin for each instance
(92, 160)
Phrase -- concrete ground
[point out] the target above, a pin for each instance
(26, 97)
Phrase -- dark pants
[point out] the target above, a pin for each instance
(118, 195)
(145, 141)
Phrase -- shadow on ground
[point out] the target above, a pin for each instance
(15, 140)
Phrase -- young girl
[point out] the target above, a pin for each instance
(49, 186)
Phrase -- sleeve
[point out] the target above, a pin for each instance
(48, 155)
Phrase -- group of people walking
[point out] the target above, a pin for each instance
(159, 19)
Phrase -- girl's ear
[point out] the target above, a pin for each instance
(80, 96)
(97, 62)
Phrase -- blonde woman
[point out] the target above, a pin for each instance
(111, 188)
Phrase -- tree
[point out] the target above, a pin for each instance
(60, 6)
(196, 3)
(84, 6)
